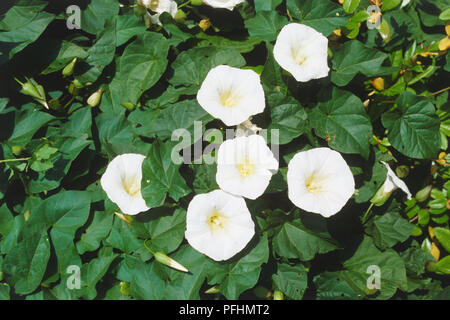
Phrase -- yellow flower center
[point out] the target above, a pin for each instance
(229, 99)
(154, 5)
(217, 221)
(298, 56)
(132, 186)
(315, 183)
(246, 168)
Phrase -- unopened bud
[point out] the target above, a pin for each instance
(380, 197)
(128, 105)
(197, 2)
(33, 89)
(402, 171)
(278, 295)
(212, 290)
(180, 16)
(204, 24)
(95, 98)
(168, 261)
(126, 218)
(125, 288)
(378, 83)
(424, 193)
(16, 150)
(68, 70)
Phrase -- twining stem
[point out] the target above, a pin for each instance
(184, 4)
(437, 92)
(146, 247)
(366, 214)
(15, 159)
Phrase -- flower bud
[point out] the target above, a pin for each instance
(125, 288)
(424, 193)
(204, 24)
(180, 16)
(402, 171)
(95, 98)
(168, 261)
(68, 70)
(378, 83)
(214, 289)
(16, 150)
(380, 197)
(128, 105)
(278, 295)
(197, 2)
(124, 217)
(33, 89)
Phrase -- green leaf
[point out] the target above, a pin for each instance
(350, 5)
(354, 57)
(205, 178)
(25, 264)
(331, 287)
(67, 53)
(235, 278)
(242, 46)
(287, 115)
(100, 54)
(23, 36)
(122, 237)
(443, 235)
(322, 15)
(266, 5)
(145, 282)
(191, 66)
(26, 127)
(291, 280)
(98, 230)
(186, 286)
(389, 229)
(94, 17)
(141, 65)
(413, 127)
(167, 232)
(265, 25)
(340, 118)
(22, 13)
(295, 241)
(390, 4)
(128, 26)
(92, 273)
(357, 272)
(64, 212)
(445, 15)
(160, 175)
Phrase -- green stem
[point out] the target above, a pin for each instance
(312, 140)
(184, 4)
(366, 214)
(15, 159)
(146, 247)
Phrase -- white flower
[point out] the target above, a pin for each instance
(218, 224)
(320, 181)
(245, 166)
(160, 6)
(405, 3)
(302, 51)
(393, 182)
(227, 4)
(122, 183)
(231, 94)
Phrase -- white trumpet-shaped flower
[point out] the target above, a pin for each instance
(160, 6)
(231, 94)
(302, 51)
(320, 181)
(122, 183)
(218, 224)
(391, 183)
(245, 166)
(227, 4)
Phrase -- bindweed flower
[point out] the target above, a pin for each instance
(302, 51)
(320, 181)
(122, 183)
(227, 4)
(231, 94)
(245, 166)
(391, 183)
(160, 6)
(218, 224)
